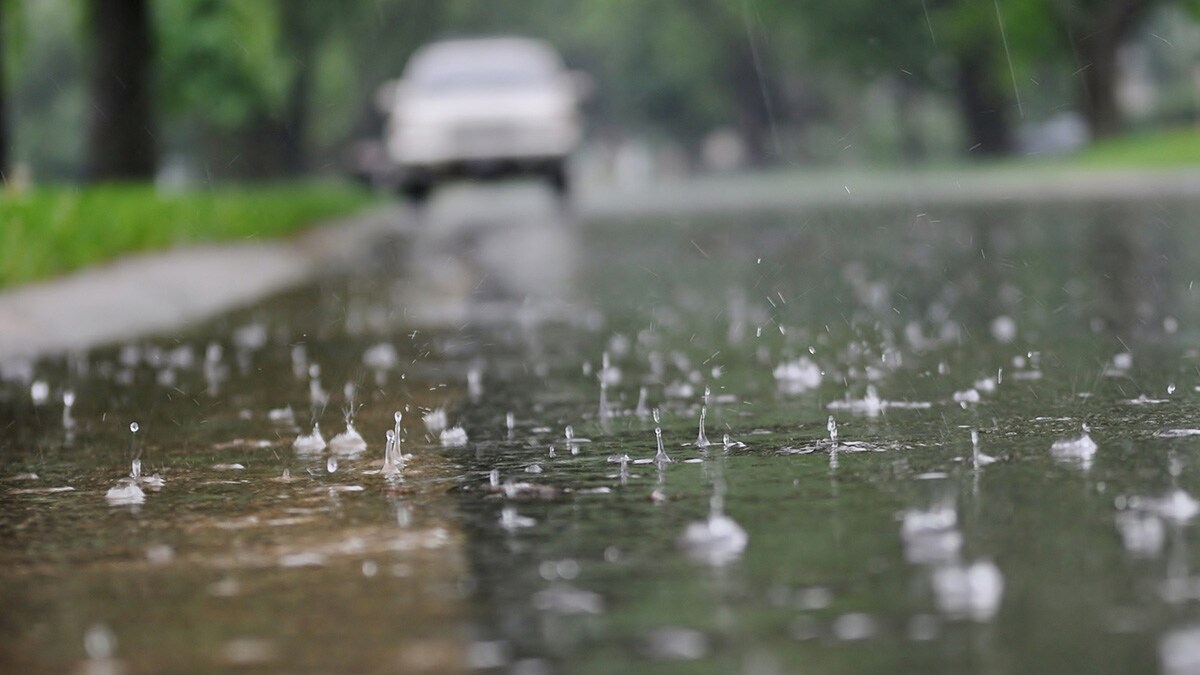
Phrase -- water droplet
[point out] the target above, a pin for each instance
(510, 421)
(494, 478)
(1170, 389)
(657, 419)
(133, 426)
(331, 464)
(661, 457)
(831, 426)
(978, 458)
(135, 471)
(511, 520)
(701, 439)
(569, 432)
(391, 456)
(68, 398)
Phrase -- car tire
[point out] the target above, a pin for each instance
(559, 181)
(417, 191)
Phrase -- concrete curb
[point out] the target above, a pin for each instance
(165, 290)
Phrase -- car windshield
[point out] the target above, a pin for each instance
(488, 64)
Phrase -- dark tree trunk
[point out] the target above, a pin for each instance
(753, 116)
(121, 137)
(3, 109)
(1099, 89)
(299, 34)
(912, 145)
(983, 107)
(1101, 29)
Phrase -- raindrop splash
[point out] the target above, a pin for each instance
(701, 438)
(831, 425)
(435, 421)
(39, 391)
(475, 383)
(349, 442)
(661, 457)
(317, 396)
(68, 398)
(127, 491)
(391, 458)
(511, 520)
(978, 458)
(569, 433)
(312, 443)
(1079, 448)
(454, 437)
(729, 443)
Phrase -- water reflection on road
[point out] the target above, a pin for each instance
(515, 259)
(959, 440)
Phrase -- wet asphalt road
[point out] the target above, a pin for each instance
(533, 549)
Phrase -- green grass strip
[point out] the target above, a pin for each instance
(1172, 148)
(53, 230)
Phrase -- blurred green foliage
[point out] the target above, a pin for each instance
(261, 88)
(220, 60)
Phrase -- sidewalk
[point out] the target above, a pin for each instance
(164, 290)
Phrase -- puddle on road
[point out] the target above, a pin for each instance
(874, 421)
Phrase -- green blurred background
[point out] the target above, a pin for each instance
(240, 89)
(200, 102)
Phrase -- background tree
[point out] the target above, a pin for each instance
(3, 100)
(10, 18)
(1084, 36)
(953, 47)
(267, 88)
(121, 141)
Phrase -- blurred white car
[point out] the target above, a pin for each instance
(481, 108)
